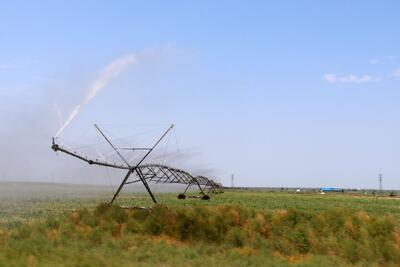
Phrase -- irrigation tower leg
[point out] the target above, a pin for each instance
(121, 185)
(140, 174)
(201, 189)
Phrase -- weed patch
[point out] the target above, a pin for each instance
(355, 237)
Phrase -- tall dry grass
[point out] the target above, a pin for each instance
(356, 237)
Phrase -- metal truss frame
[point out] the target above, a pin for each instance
(146, 173)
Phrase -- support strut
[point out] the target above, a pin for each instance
(136, 168)
(146, 172)
(140, 174)
(121, 185)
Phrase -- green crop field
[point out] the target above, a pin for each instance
(66, 225)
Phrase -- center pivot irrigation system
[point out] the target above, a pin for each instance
(148, 172)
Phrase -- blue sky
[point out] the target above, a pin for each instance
(283, 93)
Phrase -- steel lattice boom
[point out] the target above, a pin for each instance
(146, 173)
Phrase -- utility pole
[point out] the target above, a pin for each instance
(232, 178)
(380, 183)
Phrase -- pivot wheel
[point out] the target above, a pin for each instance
(181, 196)
(205, 197)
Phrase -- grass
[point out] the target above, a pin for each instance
(248, 228)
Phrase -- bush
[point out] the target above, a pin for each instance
(300, 240)
(96, 236)
(118, 214)
(133, 227)
(52, 223)
(356, 237)
(22, 232)
(155, 223)
(381, 227)
(236, 237)
(102, 208)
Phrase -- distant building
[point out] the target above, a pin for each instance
(330, 189)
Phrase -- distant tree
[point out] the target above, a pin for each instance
(392, 194)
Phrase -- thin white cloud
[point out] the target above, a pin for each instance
(382, 60)
(17, 90)
(374, 61)
(4, 66)
(351, 78)
(396, 73)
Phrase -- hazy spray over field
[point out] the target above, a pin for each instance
(27, 130)
(105, 77)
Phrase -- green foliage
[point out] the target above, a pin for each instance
(52, 223)
(356, 237)
(233, 229)
(381, 227)
(96, 235)
(236, 237)
(22, 232)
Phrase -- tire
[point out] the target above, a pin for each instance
(205, 197)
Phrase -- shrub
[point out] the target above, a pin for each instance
(22, 232)
(52, 223)
(350, 250)
(96, 235)
(133, 226)
(357, 237)
(300, 241)
(155, 222)
(118, 214)
(381, 227)
(102, 208)
(236, 237)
